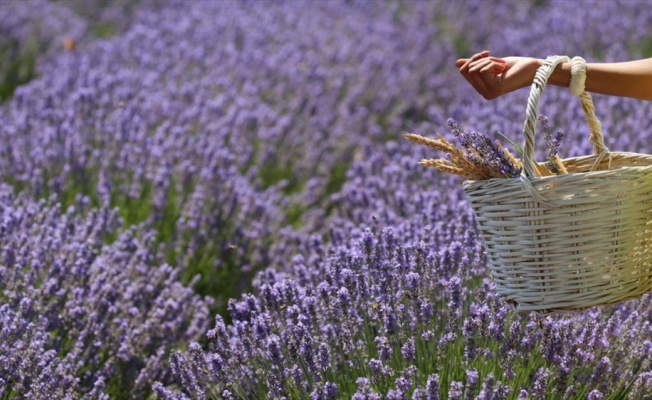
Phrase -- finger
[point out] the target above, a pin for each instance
(484, 76)
(494, 68)
(477, 66)
(486, 70)
(472, 77)
(484, 61)
(474, 58)
(481, 84)
(478, 82)
(483, 70)
(460, 62)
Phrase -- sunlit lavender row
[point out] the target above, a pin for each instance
(213, 200)
(80, 316)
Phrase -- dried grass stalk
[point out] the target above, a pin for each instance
(458, 163)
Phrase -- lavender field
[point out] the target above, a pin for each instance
(214, 200)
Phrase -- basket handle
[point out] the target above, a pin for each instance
(539, 83)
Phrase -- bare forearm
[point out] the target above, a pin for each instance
(628, 79)
(495, 76)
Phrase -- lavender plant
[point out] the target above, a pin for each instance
(196, 158)
(553, 162)
(381, 318)
(29, 32)
(80, 317)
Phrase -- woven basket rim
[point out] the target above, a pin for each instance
(618, 155)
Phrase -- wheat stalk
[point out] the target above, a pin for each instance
(458, 163)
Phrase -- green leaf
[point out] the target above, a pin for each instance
(518, 148)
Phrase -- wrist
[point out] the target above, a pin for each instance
(532, 66)
(578, 76)
(561, 76)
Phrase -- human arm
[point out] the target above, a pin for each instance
(492, 76)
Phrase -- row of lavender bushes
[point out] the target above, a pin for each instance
(243, 161)
(38, 30)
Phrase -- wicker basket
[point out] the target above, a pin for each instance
(573, 241)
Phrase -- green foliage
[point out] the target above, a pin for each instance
(17, 66)
(644, 47)
(103, 30)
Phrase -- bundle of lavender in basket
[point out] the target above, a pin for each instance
(479, 158)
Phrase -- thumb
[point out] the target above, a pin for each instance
(461, 62)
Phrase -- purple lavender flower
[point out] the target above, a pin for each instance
(426, 311)
(90, 299)
(540, 387)
(642, 385)
(432, 387)
(405, 381)
(274, 383)
(395, 394)
(455, 390)
(330, 389)
(384, 348)
(376, 367)
(595, 395)
(274, 349)
(602, 370)
(481, 150)
(324, 356)
(364, 392)
(327, 391)
(469, 332)
(472, 378)
(408, 351)
(552, 144)
(167, 394)
(419, 394)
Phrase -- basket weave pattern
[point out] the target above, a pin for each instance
(568, 242)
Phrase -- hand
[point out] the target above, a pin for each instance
(492, 76)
